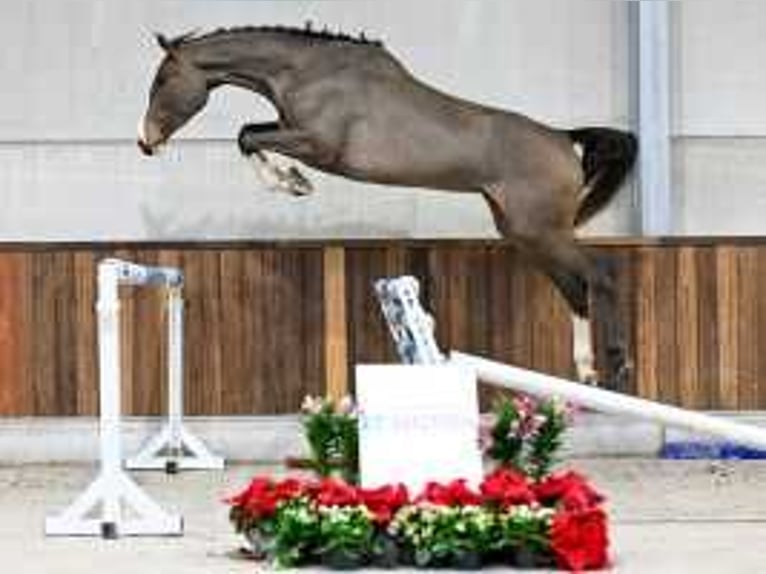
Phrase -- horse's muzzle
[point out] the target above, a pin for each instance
(145, 148)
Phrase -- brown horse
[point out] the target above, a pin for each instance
(348, 107)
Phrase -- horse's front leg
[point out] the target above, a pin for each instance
(254, 140)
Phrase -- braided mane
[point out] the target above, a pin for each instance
(308, 32)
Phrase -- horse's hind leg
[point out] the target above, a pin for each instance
(587, 288)
(604, 306)
(582, 284)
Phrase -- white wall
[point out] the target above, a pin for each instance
(719, 117)
(75, 76)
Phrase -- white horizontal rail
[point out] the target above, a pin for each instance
(542, 385)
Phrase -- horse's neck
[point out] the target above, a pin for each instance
(259, 65)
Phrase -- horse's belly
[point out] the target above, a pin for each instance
(413, 157)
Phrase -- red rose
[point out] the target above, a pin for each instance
(506, 487)
(263, 505)
(333, 492)
(256, 488)
(570, 489)
(289, 488)
(383, 502)
(455, 493)
(434, 493)
(261, 497)
(579, 539)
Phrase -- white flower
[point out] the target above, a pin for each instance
(346, 406)
(312, 405)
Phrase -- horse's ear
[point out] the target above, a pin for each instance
(162, 40)
(164, 43)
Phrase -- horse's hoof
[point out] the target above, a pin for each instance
(619, 378)
(296, 183)
(588, 377)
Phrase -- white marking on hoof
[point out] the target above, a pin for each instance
(283, 179)
(582, 351)
(265, 171)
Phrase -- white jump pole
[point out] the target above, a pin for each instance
(542, 385)
(113, 505)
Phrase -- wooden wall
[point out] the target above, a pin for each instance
(268, 323)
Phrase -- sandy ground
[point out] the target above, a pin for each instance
(667, 517)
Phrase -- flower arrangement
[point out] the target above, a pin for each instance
(333, 437)
(526, 434)
(509, 519)
(522, 513)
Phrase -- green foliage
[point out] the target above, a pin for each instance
(444, 535)
(302, 532)
(506, 444)
(547, 441)
(347, 530)
(333, 436)
(523, 527)
(295, 533)
(527, 435)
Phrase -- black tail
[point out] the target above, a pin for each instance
(608, 156)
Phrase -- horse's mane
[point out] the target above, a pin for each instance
(308, 32)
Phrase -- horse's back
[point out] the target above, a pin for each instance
(387, 126)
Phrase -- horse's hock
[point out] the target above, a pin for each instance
(267, 324)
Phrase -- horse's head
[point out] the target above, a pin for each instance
(178, 92)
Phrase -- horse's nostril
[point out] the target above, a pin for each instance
(145, 148)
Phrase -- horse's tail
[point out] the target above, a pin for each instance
(607, 158)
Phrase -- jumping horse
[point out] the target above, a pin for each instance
(347, 106)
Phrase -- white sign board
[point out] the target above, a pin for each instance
(417, 423)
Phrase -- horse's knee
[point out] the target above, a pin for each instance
(244, 142)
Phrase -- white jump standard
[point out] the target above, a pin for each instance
(411, 327)
(174, 447)
(113, 504)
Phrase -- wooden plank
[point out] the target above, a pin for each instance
(310, 325)
(369, 341)
(708, 332)
(728, 341)
(145, 316)
(760, 319)
(748, 351)
(499, 295)
(85, 351)
(12, 334)
(687, 328)
(336, 338)
(205, 367)
(665, 328)
(646, 328)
